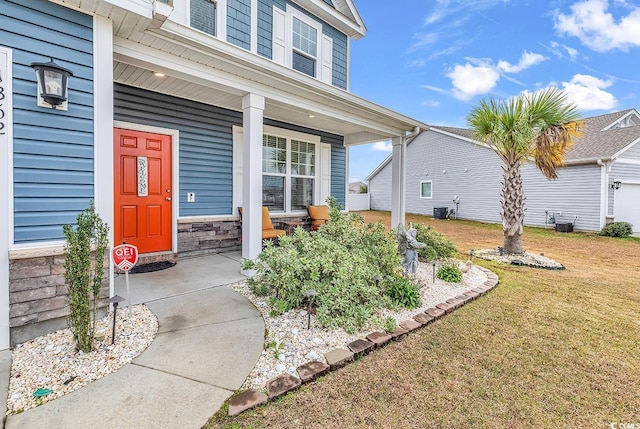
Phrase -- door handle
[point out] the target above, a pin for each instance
(167, 198)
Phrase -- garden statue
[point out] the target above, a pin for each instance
(408, 246)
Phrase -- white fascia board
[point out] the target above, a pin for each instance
(459, 137)
(206, 76)
(320, 97)
(144, 8)
(383, 164)
(332, 17)
(632, 112)
(626, 148)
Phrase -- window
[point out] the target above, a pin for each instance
(425, 189)
(203, 15)
(288, 173)
(305, 47)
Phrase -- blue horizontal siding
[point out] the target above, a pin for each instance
(32, 190)
(206, 145)
(53, 150)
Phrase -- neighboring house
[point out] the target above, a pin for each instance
(178, 113)
(600, 182)
(357, 188)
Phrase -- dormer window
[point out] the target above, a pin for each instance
(305, 47)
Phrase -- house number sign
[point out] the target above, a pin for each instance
(5, 96)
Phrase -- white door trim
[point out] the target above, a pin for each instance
(175, 191)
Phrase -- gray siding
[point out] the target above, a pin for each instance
(380, 189)
(52, 149)
(442, 159)
(632, 153)
(239, 23)
(624, 173)
(206, 147)
(576, 192)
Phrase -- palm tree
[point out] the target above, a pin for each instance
(538, 127)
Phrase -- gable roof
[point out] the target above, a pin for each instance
(342, 14)
(603, 137)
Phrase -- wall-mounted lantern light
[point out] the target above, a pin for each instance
(615, 185)
(52, 84)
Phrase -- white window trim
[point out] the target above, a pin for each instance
(422, 196)
(289, 135)
(291, 13)
(220, 18)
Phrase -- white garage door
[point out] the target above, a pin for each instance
(627, 205)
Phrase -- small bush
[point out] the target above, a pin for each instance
(339, 261)
(617, 229)
(390, 324)
(437, 244)
(449, 272)
(403, 293)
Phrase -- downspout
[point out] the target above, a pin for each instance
(604, 191)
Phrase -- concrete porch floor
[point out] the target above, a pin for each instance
(209, 338)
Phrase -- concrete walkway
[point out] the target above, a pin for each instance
(209, 339)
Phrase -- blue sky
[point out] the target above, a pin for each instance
(434, 60)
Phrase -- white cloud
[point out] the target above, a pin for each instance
(469, 80)
(480, 75)
(424, 40)
(431, 103)
(382, 147)
(528, 59)
(588, 93)
(597, 28)
(435, 89)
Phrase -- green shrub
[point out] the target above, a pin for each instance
(403, 293)
(84, 273)
(339, 261)
(438, 246)
(617, 229)
(449, 272)
(390, 324)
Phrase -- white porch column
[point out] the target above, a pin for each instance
(397, 180)
(252, 124)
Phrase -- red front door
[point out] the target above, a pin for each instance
(142, 188)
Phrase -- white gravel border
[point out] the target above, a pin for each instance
(52, 362)
(299, 345)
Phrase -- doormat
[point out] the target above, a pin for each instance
(151, 267)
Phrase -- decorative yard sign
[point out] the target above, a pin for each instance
(125, 257)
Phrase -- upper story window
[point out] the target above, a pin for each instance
(305, 47)
(203, 15)
(299, 43)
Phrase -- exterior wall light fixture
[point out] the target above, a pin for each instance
(615, 185)
(52, 84)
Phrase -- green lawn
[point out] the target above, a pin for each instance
(543, 349)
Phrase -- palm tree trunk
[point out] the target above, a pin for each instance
(512, 208)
